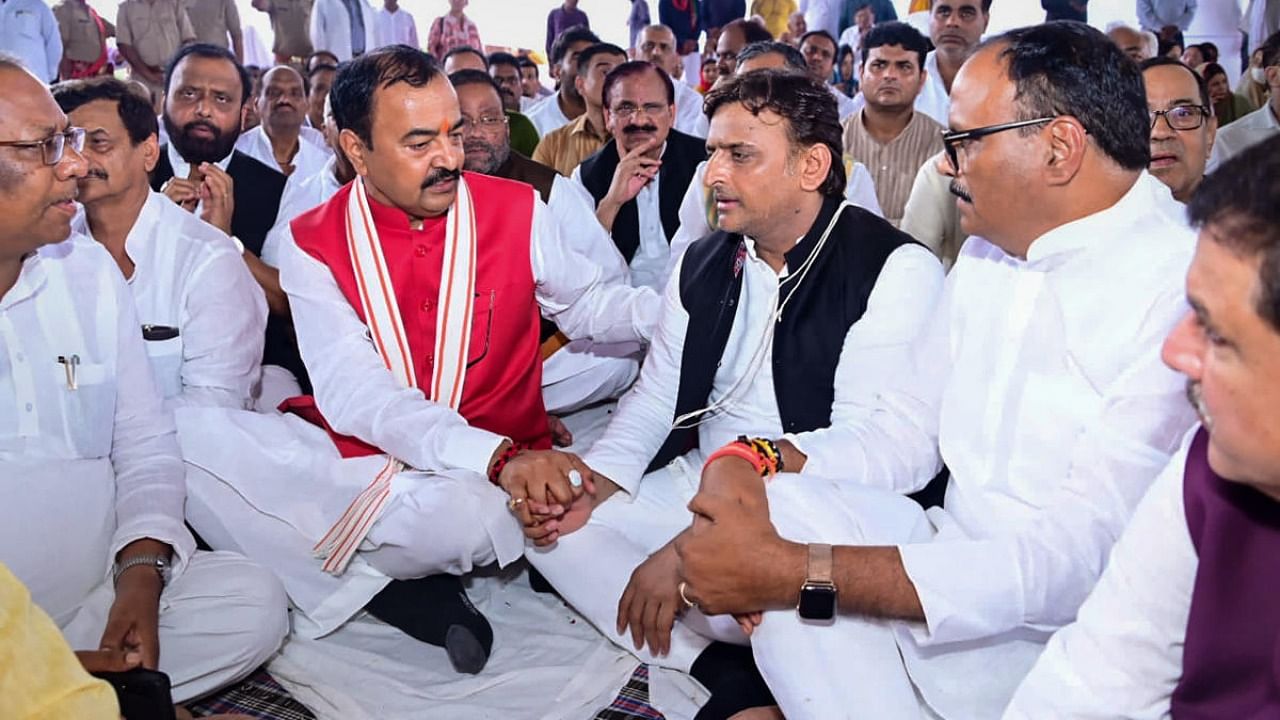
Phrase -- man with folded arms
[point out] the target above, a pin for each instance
(1184, 620)
(416, 291)
(1037, 382)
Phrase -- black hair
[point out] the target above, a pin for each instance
(462, 49)
(525, 61)
(634, 68)
(210, 52)
(569, 38)
(503, 58)
(134, 110)
(807, 105)
(822, 34)
(1209, 51)
(752, 31)
(319, 68)
(1202, 83)
(583, 61)
(791, 55)
(986, 6)
(896, 33)
(471, 76)
(1163, 46)
(1069, 68)
(358, 81)
(1271, 51)
(1241, 200)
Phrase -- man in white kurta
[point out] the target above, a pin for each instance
(92, 428)
(1038, 383)
(346, 28)
(203, 316)
(274, 486)
(277, 142)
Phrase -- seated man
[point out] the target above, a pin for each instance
(277, 142)
(203, 316)
(574, 373)
(1184, 620)
(1182, 124)
(200, 170)
(1037, 382)
(92, 515)
(639, 177)
(1260, 124)
(824, 295)
(697, 210)
(428, 353)
(566, 147)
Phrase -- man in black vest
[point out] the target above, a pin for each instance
(206, 96)
(575, 373)
(640, 176)
(771, 327)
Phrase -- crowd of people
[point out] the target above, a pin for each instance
(944, 363)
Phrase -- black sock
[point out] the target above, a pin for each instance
(729, 672)
(428, 608)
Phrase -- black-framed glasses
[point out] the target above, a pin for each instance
(1181, 117)
(952, 139)
(52, 147)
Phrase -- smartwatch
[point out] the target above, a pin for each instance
(818, 596)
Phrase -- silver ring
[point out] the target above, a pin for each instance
(575, 478)
(685, 598)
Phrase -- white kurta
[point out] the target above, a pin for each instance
(1243, 134)
(689, 117)
(546, 115)
(109, 444)
(1122, 657)
(271, 486)
(188, 276)
(591, 567)
(331, 27)
(1040, 384)
(395, 28)
(298, 198)
(860, 189)
(308, 161)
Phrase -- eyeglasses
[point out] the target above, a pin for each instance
(951, 140)
(1182, 117)
(52, 147)
(626, 111)
(486, 122)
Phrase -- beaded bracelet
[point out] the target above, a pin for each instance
(496, 471)
(767, 448)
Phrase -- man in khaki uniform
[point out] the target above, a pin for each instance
(149, 32)
(214, 20)
(84, 40)
(291, 24)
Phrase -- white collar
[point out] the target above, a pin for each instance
(181, 169)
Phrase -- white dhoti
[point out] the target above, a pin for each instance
(219, 621)
(271, 486)
(584, 373)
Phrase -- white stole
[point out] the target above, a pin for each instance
(454, 311)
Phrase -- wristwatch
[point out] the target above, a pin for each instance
(157, 562)
(818, 593)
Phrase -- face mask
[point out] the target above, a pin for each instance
(1259, 75)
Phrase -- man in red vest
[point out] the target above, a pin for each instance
(416, 292)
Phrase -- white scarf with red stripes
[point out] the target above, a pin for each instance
(382, 314)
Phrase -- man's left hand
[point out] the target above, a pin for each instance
(732, 558)
(652, 601)
(133, 625)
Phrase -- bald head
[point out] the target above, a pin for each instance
(1130, 41)
(657, 44)
(283, 102)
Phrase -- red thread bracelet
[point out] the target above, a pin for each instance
(496, 471)
(735, 449)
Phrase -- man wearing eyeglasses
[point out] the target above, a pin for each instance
(1182, 124)
(574, 375)
(92, 518)
(1037, 382)
(640, 176)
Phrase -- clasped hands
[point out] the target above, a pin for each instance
(552, 493)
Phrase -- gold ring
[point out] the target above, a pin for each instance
(685, 598)
(514, 503)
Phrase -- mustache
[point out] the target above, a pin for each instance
(1196, 398)
(960, 192)
(440, 175)
(217, 131)
(97, 174)
(634, 129)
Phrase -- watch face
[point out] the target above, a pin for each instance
(817, 602)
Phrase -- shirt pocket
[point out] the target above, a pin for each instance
(486, 302)
(26, 23)
(89, 409)
(166, 365)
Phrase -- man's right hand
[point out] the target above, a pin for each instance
(538, 480)
(635, 170)
(112, 660)
(186, 193)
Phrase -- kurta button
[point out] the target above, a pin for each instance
(426, 306)
(420, 251)
(28, 407)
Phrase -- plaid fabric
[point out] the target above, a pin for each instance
(259, 696)
(632, 702)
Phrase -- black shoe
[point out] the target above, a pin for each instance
(436, 610)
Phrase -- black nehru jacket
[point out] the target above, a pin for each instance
(809, 337)
(257, 194)
(680, 161)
